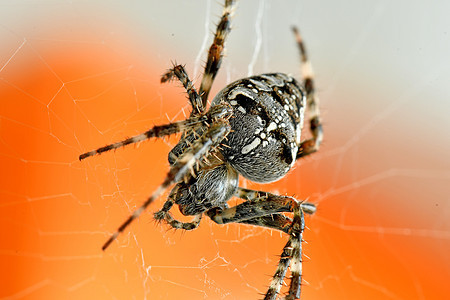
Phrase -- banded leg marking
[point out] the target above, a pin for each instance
(311, 145)
(201, 147)
(215, 51)
(163, 214)
(220, 111)
(194, 98)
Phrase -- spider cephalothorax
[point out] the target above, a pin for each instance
(252, 128)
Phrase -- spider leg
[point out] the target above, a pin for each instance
(219, 111)
(201, 147)
(274, 221)
(261, 204)
(215, 51)
(169, 219)
(163, 214)
(291, 254)
(285, 224)
(271, 204)
(194, 98)
(292, 250)
(248, 194)
(311, 145)
(264, 209)
(156, 131)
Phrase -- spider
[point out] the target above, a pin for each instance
(252, 128)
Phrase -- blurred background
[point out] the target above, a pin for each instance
(76, 75)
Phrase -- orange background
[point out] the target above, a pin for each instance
(381, 179)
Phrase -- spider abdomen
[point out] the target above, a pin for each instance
(266, 125)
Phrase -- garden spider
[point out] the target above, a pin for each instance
(252, 128)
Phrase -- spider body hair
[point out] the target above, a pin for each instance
(252, 128)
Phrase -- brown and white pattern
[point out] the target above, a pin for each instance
(252, 128)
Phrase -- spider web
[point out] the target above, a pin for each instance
(76, 75)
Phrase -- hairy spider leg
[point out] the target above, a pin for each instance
(295, 241)
(169, 219)
(164, 214)
(156, 131)
(185, 163)
(260, 207)
(215, 52)
(248, 194)
(267, 205)
(273, 221)
(311, 145)
(181, 74)
(216, 112)
(292, 254)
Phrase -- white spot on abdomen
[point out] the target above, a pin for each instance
(247, 148)
(271, 127)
